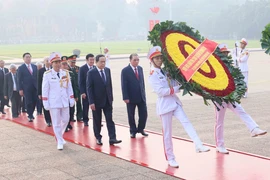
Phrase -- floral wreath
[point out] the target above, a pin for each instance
(217, 79)
(265, 41)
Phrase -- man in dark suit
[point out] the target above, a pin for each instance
(11, 90)
(90, 60)
(27, 79)
(100, 97)
(133, 91)
(5, 70)
(47, 66)
(2, 77)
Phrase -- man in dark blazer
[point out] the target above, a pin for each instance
(2, 78)
(5, 70)
(27, 79)
(100, 97)
(11, 90)
(90, 60)
(133, 91)
(47, 66)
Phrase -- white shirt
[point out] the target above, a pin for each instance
(103, 72)
(89, 67)
(134, 68)
(14, 83)
(29, 65)
(47, 68)
(3, 70)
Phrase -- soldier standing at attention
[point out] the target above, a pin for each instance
(75, 70)
(57, 96)
(243, 61)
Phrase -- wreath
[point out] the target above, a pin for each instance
(265, 41)
(217, 79)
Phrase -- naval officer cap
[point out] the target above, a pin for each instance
(223, 47)
(55, 56)
(244, 41)
(154, 52)
(64, 58)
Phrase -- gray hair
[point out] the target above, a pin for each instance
(39, 63)
(11, 66)
(46, 59)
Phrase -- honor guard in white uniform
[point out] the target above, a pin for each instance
(169, 105)
(57, 96)
(238, 110)
(107, 56)
(243, 61)
(235, 54)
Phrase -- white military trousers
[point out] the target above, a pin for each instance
(238, 110)
(167, 130)
(60, 119)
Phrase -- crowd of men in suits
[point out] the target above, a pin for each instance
(41, 87)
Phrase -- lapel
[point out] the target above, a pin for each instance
(133, 73)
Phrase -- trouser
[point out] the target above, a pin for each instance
(31, 101)
(15, 103)
(167, 130)
(2, 102)
(97, 114)
(142, 110)
(245, 74)
(79, 109)
(39, 106)
(60, 118)
(85, 110)
(238, 110)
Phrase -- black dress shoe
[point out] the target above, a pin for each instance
(50, 124)
(99, 142)
(73, 120)
(3, 112)
(133, 135)
(14, 116)
(69, 126)
(66, 130)
(86, 124)
(8, 105)
(143, 133)
(114, 141)
(30, 119)
(80, 120)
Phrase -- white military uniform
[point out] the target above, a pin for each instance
(107, 56)
(243, 63)
(220, 115)
(57, 96)
(235, 54)
(169, 105)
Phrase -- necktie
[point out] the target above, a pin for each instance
(15, 82)
(162, 72)
(103, 76)
(136, 73)
(58, 75)
(29, 69)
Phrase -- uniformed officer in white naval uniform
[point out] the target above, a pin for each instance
(243, 61)
(107, 56)
(57, 96)
(235, 54)
(238, 110)
(169, 105)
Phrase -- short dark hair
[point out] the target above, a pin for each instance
(89, 55)
(132, 55)
(99, 56)
(26, 54)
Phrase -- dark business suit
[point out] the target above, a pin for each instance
(12, 92)
(2, 100)
(5, 72)
(28, 83)
(100, 93)
(47, 115)
(82, 85)
(133, 89)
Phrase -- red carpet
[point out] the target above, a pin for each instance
(148, 152)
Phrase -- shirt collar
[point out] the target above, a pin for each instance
(133, 67)
(89, 66)
(100, 69)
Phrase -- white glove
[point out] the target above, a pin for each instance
(176, 88)
(71, 102)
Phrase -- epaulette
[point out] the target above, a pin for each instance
(48, 71)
